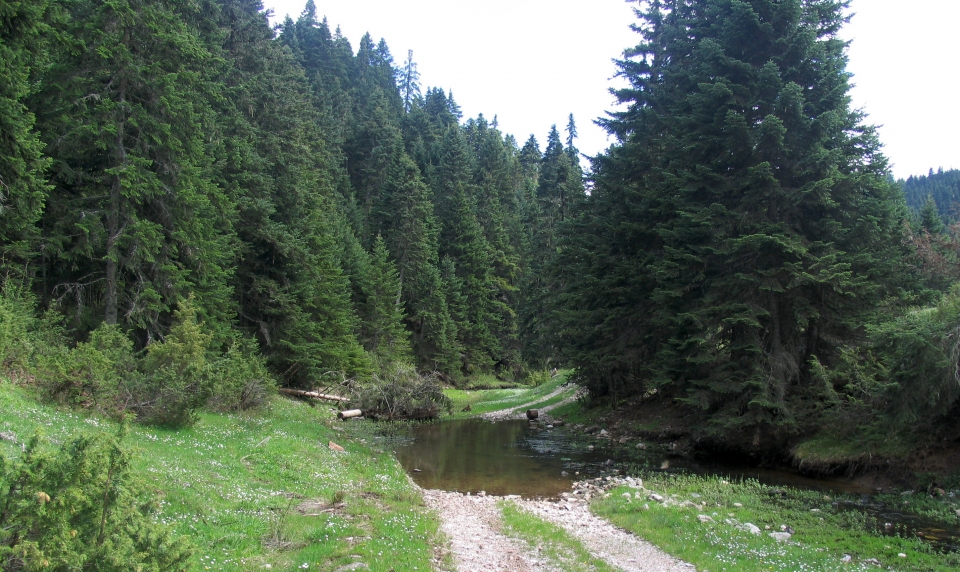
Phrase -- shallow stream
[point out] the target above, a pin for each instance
(537, 460)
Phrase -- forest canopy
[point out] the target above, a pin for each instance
(185, 185)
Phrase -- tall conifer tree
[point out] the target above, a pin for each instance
(135, 222)
(22, 185)
(744, 222)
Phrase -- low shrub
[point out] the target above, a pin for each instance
(92, 374)
(538, 378)
(80, 508)
(25, 337)
(241, 378)
(400, 392)
(178, 376)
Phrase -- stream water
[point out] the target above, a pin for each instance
(535, 460)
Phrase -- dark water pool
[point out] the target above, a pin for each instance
(503, 458)
(531, 460)
(534, 460)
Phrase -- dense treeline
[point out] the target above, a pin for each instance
(301, 193)
(744, 250)
(198, 199)
(938, 189)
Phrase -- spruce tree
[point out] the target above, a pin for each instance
(22, 181)
(412, 240)
(930, 217)
(462, 241)
(135, 222)
(742, 226)
(290, 286)
(384, 329)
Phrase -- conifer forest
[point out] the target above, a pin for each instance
(192, 199)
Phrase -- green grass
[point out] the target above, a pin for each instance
(823, 532)
(257, 489)
(487, 381)
(485, 401)
(831, 450)
(552, 541)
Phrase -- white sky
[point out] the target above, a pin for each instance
(533, 62)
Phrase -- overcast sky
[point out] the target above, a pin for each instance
(533, 62)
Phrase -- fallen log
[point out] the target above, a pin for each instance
(349, 413)
(314, 395)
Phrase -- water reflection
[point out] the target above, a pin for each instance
(504, 458)
(519, 458)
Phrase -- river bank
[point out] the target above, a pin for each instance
(828, 523)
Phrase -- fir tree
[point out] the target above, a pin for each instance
(409, 82)
(930, 217)
(22, 185)
(412, 240)
(135, 222)
(384, 332)
(291, 289)
(744, 221)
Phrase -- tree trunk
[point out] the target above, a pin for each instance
(113, 216)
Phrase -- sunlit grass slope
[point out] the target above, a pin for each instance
(262, 490)
(485, 401)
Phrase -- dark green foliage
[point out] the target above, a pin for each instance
(930, 219)
(22, 186)
(242, 379)
(412, 240)
(178, 375)
(384, 334)
(943, 186)
(193, 152)
(920, 355)
(901, 381)
(744, 223)
(81, 509)
(94, 373)
(134, 222)
(555, 186)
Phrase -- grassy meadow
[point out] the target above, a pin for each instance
(261, 490)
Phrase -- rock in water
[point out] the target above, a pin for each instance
(532, 414)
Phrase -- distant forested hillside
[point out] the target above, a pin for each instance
(942, 186)
(307, 193)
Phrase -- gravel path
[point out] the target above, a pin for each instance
(472, 524)
(613, 545)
